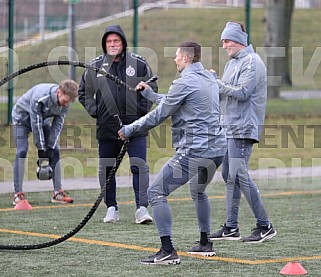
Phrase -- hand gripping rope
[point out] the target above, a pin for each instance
(114, 168)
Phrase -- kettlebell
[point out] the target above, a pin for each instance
(44, 170)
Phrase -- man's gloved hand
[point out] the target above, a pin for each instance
(42, 154)
(42, 157)
(44, 171)
(50, 153)
(46, 155)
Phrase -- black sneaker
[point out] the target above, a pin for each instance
(206, 251)
(162, 258)
(260, 234)
(226, 233)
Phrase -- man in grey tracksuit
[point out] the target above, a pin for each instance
(41, 110)
(193, 104)
(244, 88)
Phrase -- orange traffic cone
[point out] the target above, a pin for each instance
(23, 205)
(293, 268)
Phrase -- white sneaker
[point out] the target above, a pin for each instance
(142, 216)
(111, 215)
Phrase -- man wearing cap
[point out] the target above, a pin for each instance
(243, 87)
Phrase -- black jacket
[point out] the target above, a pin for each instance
(103, 98)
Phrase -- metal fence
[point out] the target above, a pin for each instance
(35, 18)
(40, 20)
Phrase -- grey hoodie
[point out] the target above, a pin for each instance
(193, 104)
(35, 108)
(244, 83)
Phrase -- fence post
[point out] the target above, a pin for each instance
(248, 19)
(135, 34)
(10, 57)
(71, 38)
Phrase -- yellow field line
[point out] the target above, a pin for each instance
(286, 193)
(140, 248)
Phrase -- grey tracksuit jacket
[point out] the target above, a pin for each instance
(35, 108)
(244, 88)
(193, 104)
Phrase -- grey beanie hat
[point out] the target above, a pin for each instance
(233, 31)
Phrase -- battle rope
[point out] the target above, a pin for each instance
(113, 170)
(86, 218)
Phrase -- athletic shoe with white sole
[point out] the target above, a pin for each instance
(142, 216)
(162, 258)
(61, 197)
(111, 215)
(18, 197)
(261, 234)
(226, 233)
(203, 250)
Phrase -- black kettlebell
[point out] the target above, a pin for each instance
(44, 170)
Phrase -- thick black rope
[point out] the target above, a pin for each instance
(113, 170)
(86, 218)
(66, 62)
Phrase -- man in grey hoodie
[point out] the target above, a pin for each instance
(41, 110)
(192, 102)
(244, 88)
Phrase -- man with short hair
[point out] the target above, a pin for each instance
(192, 102)
(42, 111)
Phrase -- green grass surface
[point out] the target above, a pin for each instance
(101, 249)
(291, 138)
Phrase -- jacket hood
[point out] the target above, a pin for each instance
(244, 52)
(113, 29)
(53, 95)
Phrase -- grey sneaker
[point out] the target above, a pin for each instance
(162, 258)
(203, 250)
(142, 216)
(111, 215)
(226, 233)
(261, 234)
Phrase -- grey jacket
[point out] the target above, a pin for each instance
(244, 85)
(35, 108)
(193, 104)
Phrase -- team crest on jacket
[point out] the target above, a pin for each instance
(130, 71)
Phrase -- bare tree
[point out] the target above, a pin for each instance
(278, 15)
